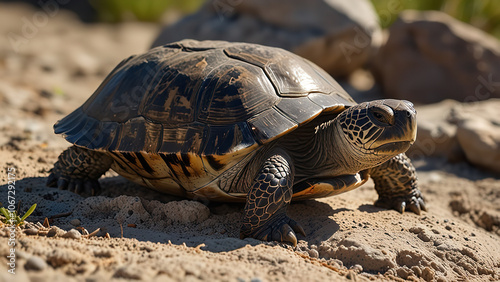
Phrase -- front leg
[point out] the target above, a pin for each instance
(396, 185)
(265, 210)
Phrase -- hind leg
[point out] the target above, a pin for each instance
(77, 170)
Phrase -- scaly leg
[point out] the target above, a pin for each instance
(78, 169)
(265, 210)
(396, 185)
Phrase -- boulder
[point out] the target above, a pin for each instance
(460, 131)
(429, 57)
(436, 135)
(337, 35)
(478, 133)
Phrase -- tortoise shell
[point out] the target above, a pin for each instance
(201, 99)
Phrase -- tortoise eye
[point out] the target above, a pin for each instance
(378, 116)
(383, 114)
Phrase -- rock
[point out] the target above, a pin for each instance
(75, 222)
(55, 232)
(313, 253)
(429, 57)
(478, 133)
(337, 35)
(35, 263)
(72, 234)
(460, 131)
(31, 231)
(436, 136)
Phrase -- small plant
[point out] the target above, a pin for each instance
(13, 218)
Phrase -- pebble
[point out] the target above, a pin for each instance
(55, 231)
(351, 275)
(357, 268)
(72, 234)
(31, 231)
(313, 253)
(75, 222)
(35, 263)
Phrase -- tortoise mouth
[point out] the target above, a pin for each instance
(393, 147)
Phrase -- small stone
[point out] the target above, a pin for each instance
(35, 263)
(428, 274)
(351, 275)
(55, 232)
(313, 253)
(415, 230)
(31, 231)
(42, 160)
(72, 234)
(129, 273)
(357, 268)
(75, 222)
(424, 237)
(447, 227)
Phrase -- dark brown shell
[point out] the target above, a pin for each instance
(203, 97)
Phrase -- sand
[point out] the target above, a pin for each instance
(144, 235)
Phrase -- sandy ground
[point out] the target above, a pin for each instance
(159, 237)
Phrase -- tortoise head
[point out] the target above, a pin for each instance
(373, 132)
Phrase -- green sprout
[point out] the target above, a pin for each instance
(11, 217)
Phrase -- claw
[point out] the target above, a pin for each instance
(401, 207)
(290, 237)
(62, 184)
(422, 204)
(51, 180)
(71, 186)
(78, 186)
(414, 207)
(285, 234)
(297, 227)
(91, 187)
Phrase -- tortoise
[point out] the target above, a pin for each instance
(238, 122)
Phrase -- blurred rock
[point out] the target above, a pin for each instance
(436, 136)
(459, 131)
(429, 57)
(339, 36)
(478, 132)
(35, 263)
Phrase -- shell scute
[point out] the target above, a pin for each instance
(202, 97)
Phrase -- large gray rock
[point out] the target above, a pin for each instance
(429, 57)
(337, 35)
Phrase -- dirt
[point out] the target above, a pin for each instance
(144, 235)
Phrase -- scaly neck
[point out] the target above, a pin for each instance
(336, 155)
